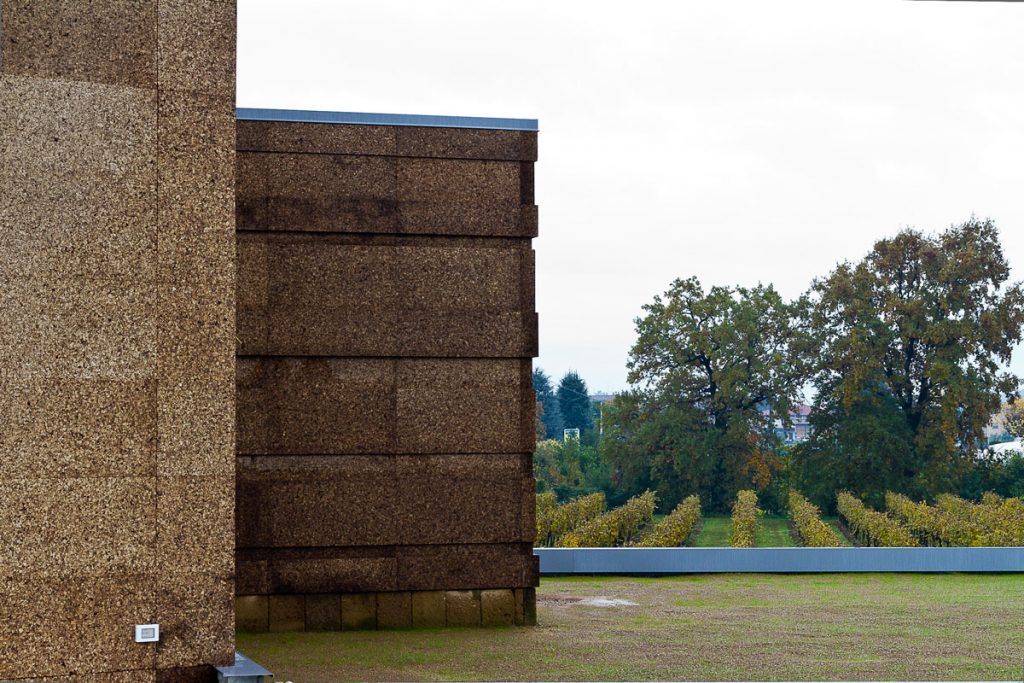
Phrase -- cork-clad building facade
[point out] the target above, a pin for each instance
(117, 338)
(386, 331)
(289, 383)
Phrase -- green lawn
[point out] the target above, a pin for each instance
(834, 523)
(714, 532)
(773, 532)
(715, 627)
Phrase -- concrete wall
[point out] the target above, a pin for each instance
(386, 327)
(116, 337)
(649, 561)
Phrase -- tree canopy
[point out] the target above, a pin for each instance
(910, 343)
(574, 403)
(710, 372)
(547, 411)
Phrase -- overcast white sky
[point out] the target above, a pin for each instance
(740, 142)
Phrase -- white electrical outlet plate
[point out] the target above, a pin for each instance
(147, 633)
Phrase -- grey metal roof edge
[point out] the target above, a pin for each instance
(367, 119)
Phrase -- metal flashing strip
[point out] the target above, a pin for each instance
(624, 561)
(363, 119)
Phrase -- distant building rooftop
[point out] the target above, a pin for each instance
(364, 119)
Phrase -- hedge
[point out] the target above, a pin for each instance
(870, 526)
(675, 528)
(744, 519)
(806, 516)
(613, 528)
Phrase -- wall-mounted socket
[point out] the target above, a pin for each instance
(147, 633)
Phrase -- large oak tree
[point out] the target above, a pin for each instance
(710, 372)
(911, 344)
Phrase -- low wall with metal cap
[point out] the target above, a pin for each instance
(776, 560)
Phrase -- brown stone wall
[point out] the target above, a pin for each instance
(386, 328)
(116, 337)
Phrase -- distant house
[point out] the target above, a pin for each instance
(800, 424)
(601, 398)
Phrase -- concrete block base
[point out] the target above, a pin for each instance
(386, 610)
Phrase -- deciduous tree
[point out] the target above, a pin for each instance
(710, 372)
(911, 343)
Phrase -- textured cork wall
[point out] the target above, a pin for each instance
(116, 338)
(386, 328)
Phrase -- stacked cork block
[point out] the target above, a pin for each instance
(386, 327)
(117, 339)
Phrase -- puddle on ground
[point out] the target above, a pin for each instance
(598, 601)
(606, 602)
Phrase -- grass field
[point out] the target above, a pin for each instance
(834, 523)
(723, 627)
(714, 532)
(773, 532)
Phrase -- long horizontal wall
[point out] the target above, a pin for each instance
(386, 327)
(622, 561)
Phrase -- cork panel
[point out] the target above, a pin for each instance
(490, 219)
(53, 627)
(386, 216)
(314, 180)
(464, 567)
(324, 214)
(112, 677)
(197, 425)
(466, 143)
(317, 405)
(461, 278)
(196, 41)
(195, 610)
(254, 406)
(195, 240)
(337, 575)
(196, 224)
(252, 295)
(314, 295)
(405, 141)
(103, 41)
(528, 505)
(68, 428)
(195, 524)
(100, 525)
(196, 331)
(77, 329)
(457, 181)
(320, 501)
(187, 674)
(79, 179)
(460, 334)
(339, 406)
(196, 122)
(315, 138)
(252, 577)
(396, 568)
(463, 406)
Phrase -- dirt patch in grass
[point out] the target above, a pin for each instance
(722, 627)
